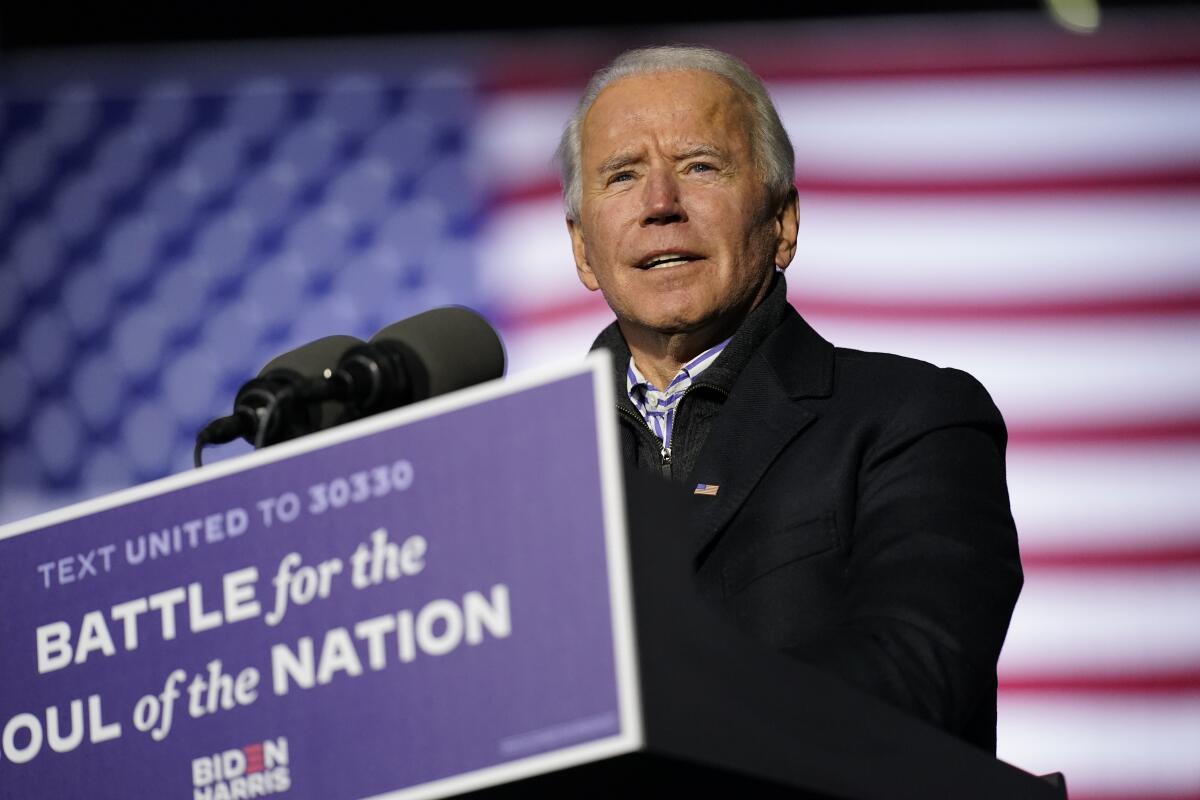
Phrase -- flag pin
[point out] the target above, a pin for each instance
(709, 489)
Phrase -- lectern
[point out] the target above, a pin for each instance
(462, 597)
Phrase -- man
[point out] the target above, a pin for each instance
(849, 508)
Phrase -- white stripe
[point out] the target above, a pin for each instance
(1095, 496)
(529, 348)
(1000, 127)
(1118, 747)
(525, 257)
(517, 134)
(1104, 622)
(1061, 371)
(996, 248)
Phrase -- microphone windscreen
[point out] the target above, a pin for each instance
(455, 346)
(313, 359)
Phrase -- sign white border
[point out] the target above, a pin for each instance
(599, 365)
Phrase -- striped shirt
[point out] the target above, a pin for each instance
(658, 407)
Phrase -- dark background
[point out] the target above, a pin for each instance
(34, 25)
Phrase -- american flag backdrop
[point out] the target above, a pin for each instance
(986, 192)
(993, 194)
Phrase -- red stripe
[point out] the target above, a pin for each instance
(1175, 177)
(831, 52)
(858, 70)
(551, 313)
(1148, 794)
(1142, 557)
(1172, 430)
(1181, 303)
(526, 193)
(1185, 681)
(1186, 176)
(528, 76)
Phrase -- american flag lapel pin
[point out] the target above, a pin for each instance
(709, 489)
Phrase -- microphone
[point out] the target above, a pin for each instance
(257, 414)
(432, 353)
(340, 378)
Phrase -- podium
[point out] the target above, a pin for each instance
(460, 598)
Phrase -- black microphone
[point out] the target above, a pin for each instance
(271, 408)
(430, 354)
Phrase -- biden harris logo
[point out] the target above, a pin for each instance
(256, 770)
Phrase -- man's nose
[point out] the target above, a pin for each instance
(661, 199)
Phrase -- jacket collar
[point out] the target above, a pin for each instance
(804, 347)
(800, 358)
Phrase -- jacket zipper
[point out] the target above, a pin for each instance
(664, 453)
(665, 447)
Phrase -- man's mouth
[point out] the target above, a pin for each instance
(667, 260)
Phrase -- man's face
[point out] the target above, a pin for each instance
(676, 228)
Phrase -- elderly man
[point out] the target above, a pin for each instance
(849, 508)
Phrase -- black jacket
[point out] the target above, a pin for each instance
(862, 519)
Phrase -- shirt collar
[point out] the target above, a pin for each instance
(683, 379)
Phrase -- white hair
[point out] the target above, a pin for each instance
(769, 141)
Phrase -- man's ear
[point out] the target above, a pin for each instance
(582, 268)
(787, 227)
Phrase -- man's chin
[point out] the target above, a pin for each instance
(670, 325)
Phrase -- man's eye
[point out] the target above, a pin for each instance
(700, 166)
(621, 176)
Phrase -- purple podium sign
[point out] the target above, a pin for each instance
(415, 605)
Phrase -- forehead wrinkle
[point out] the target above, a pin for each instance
(702, 149)
(619, 161)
